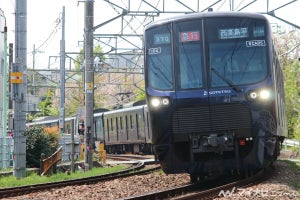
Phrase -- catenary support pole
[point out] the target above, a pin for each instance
(19, 93)
(5, 158)
(89, 82)
(62, 76)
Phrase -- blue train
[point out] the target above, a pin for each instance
(215, 93)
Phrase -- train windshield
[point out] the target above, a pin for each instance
(237, 51)
(159, 58)
(209, 52)
(189, 66)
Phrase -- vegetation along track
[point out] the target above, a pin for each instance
(209, 189)
(135, 169)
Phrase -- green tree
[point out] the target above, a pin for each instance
(79, 60)
(75, 99)
(140, 91)
(288, 49)
(292, 98)
(45, 105)
(38, 142)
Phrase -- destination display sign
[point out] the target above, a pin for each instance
(189, 36)
(233, 33)
(163, 38)
(258, 31)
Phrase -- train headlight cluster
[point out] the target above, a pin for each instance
(157, 101)
(262, 94)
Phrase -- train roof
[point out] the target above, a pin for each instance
(125, 109)
(45, 118)
(96, 114)
(206, 15)
(42, 120)
(128, 109)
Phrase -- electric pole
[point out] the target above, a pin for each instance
(19, 88)
(89, 82)
(4, 99)
(62, 76)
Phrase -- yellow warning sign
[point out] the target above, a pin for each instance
(89, 85)
(102, 153)
(101, 147)
(16, 77)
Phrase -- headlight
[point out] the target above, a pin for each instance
(157, 101)
(165, 101)
(262, 94)
(253, 95)
(265, 94)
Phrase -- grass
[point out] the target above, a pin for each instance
(297, 186)
(33, 178)
(295, 167)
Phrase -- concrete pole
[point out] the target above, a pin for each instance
(4, 100)
(20, 89)
(62, 76)
(89, 82)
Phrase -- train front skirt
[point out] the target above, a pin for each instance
(220, 159)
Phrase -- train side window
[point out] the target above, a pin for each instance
(121, 123)
(67, 129)
(107, 123)
(131, 122)
(117, 124)
(148, 125)
(142, 120)
(112, 124)
(137, 122)
(98, 129)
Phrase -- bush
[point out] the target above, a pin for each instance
(38, 142)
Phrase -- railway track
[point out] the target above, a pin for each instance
(127, 157)
(208, 189)
(135, 169)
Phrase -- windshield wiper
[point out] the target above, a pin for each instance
(226, 80)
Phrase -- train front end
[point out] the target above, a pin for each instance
(214, 94)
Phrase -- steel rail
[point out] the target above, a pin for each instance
(135, 169)
(207, 189)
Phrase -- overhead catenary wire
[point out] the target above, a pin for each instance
(53, 32)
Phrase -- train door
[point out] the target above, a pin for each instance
(137, 116)
(113, 129)
(117, 128)
(121, 128)
(147, 125)
(141, 125)
(131, 124)
(107, 129)
(191, 79)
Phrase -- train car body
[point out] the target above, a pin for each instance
(127, 130)
(214, 91)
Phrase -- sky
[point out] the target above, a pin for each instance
(44, 30)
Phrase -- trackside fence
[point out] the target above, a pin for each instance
(7, 147)
(66, 143)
